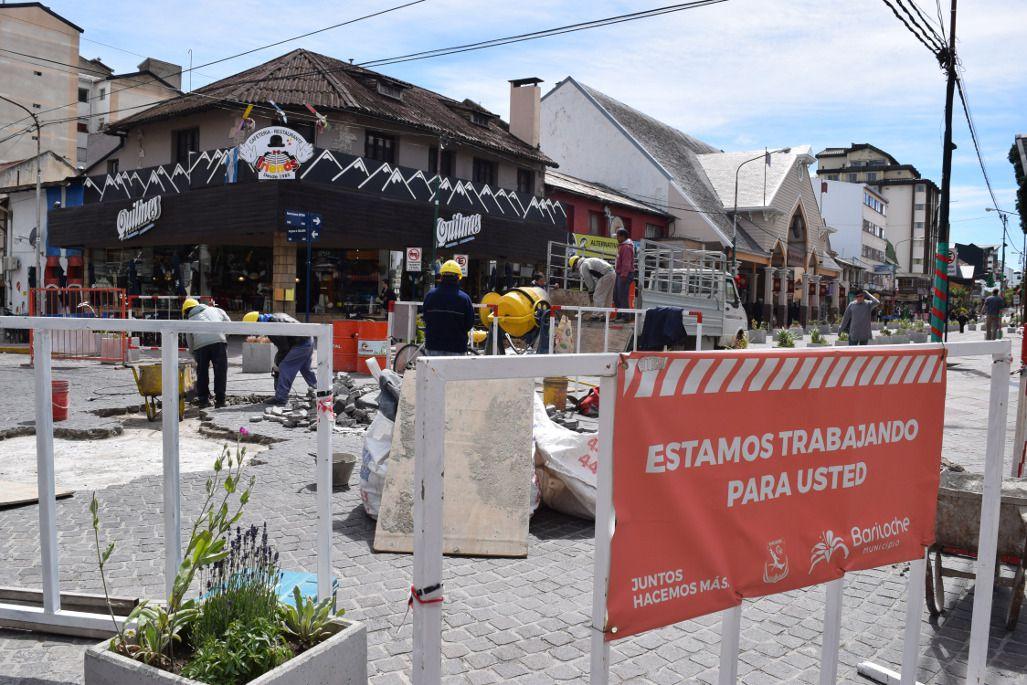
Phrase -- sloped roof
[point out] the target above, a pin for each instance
(676, 152)
(758, 182)
(599, 192)
(328, 84)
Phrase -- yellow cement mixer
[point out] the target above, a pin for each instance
(516, 309)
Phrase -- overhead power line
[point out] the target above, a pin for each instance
(916, 30)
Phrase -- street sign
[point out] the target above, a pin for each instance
(314, 224)
(296, 219)
(413, 259)
(461, 259)
(296, 235)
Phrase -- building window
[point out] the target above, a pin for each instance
(918, 206)
(918, 224)
(484, 171)
(851, 178)
(38, 73)
(380, 146)
(479, 119)
(82, 127)
(920, 187)
(654, 232)
(596, 223)
(103, 93)
(448, 161)
(182, 143)
(390, 90)
(832, 177)
(871, 176)
(112, 166)
(526, 181)
(83, 95)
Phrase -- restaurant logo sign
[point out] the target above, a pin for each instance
(457, 230)
(138, 219)
(276, 152)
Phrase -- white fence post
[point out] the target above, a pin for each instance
(987, 546)
(832, 631)
(730, 632)
(599, 672)
(1020, 440)
(914, 610)
(169, 430)
(325, 425)
(428, 467)
(42, 343)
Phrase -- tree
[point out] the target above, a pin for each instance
(1021, 189)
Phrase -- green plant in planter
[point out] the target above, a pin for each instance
(246, 651)
(885, 332)
(784, 339)
(918, 325)
(306, 621)
(843, 336)
(816, 336)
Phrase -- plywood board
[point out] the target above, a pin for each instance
(488, 467)
(16, 494)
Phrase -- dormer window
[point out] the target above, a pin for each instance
(390, 90)
(479, 119)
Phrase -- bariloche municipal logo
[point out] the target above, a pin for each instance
(276, 152)
(776, 568)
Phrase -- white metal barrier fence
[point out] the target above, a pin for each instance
(434, 373)
(51, 613)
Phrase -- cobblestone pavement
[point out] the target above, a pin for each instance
(506, 620)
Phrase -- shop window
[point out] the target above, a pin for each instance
(448, 161)
(484, 171)
(183, 142)
(112, 166)
(380, 146)
(654, 232)
(83, 95)
(526, 181)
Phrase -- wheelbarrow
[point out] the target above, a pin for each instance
(956, 534)
(149, 381)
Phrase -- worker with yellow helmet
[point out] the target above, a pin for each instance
(598, 276)
(448, 314)
(293, 355)
(209, 350)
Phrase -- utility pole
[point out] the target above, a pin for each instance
(40, 232)
(430, 271)
(940, 304)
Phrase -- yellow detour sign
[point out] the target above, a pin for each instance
(595, 245)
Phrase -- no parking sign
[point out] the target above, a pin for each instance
(413, 259)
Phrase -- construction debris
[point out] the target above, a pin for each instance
(353, 408)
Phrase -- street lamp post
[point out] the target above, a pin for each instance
(734, 214)
(40, 233)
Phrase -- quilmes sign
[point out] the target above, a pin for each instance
(138, 219)
(457, 230)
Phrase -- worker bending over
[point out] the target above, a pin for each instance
(448, 314)
(209, 350)
(293, 356)
(598, 276)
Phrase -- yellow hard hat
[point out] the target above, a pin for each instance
(452, 267)
(479, 336)
(574, 261)
(251, 317)
(188, 304)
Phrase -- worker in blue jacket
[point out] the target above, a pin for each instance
(293, 356)
(448, 314)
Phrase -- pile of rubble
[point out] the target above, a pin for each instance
(354, 407)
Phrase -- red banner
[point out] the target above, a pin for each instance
(742, 474)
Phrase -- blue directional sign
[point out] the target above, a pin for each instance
(295, 219)
(296, 235)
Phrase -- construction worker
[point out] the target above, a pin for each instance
(293, 356)
(448, 314)
(625, 269)
(598, 277)
(208, 349)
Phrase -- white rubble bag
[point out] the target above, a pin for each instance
(378, 443)
(567, 465)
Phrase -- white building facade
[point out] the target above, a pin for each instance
(859, 215)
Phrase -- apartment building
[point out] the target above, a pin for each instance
(858, 213)
(913, 205)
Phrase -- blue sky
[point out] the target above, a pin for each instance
(743, 74)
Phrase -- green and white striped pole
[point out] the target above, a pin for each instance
(939, 305)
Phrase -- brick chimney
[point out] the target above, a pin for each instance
(526, 109)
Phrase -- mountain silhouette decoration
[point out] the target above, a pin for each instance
(332, 168)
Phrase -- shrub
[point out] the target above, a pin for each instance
(816, 336)
(245, 652)
(306, 621)
(785, 339)
(741, 342)
(843, 336)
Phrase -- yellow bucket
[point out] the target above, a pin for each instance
(554, 391)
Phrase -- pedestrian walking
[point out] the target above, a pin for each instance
(992, 309)
(293, 355)
(625, 269)
(856, 321)
(448, 314)
(208, 350)
(962, 318)
(598, 277)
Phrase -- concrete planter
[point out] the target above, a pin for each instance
(901, 339)
(918, 337)
(881, 340)
(257, 357)
(820, 344)
(875, 326)
(824, 329)
(757, 336)
(841, 343)
(339, 660)
(971, 327)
